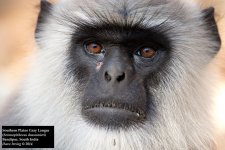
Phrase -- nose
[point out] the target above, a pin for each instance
(117, 69)
(114, 75)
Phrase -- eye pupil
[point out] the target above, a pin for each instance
(93, 47)
(147, 52)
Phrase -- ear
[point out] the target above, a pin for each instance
(208, 17)
(45, 9)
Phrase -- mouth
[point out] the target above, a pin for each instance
(123, 107)
(113, 114)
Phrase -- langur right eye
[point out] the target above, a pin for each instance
(93, 47)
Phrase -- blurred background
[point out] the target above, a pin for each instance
(17, 24)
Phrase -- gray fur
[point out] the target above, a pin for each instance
(183, 100)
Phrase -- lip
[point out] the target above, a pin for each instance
(117, 107)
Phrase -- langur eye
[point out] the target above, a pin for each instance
(93, 47)
(146, 52)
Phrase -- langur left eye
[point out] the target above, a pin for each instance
(146, 52)
(93, 47)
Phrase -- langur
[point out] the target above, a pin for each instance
(122, 75)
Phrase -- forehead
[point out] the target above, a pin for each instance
(146, 12)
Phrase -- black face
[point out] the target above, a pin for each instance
(114, 63)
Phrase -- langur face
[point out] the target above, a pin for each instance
(131, 65)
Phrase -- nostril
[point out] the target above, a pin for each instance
(121, 77)
(107, 77)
